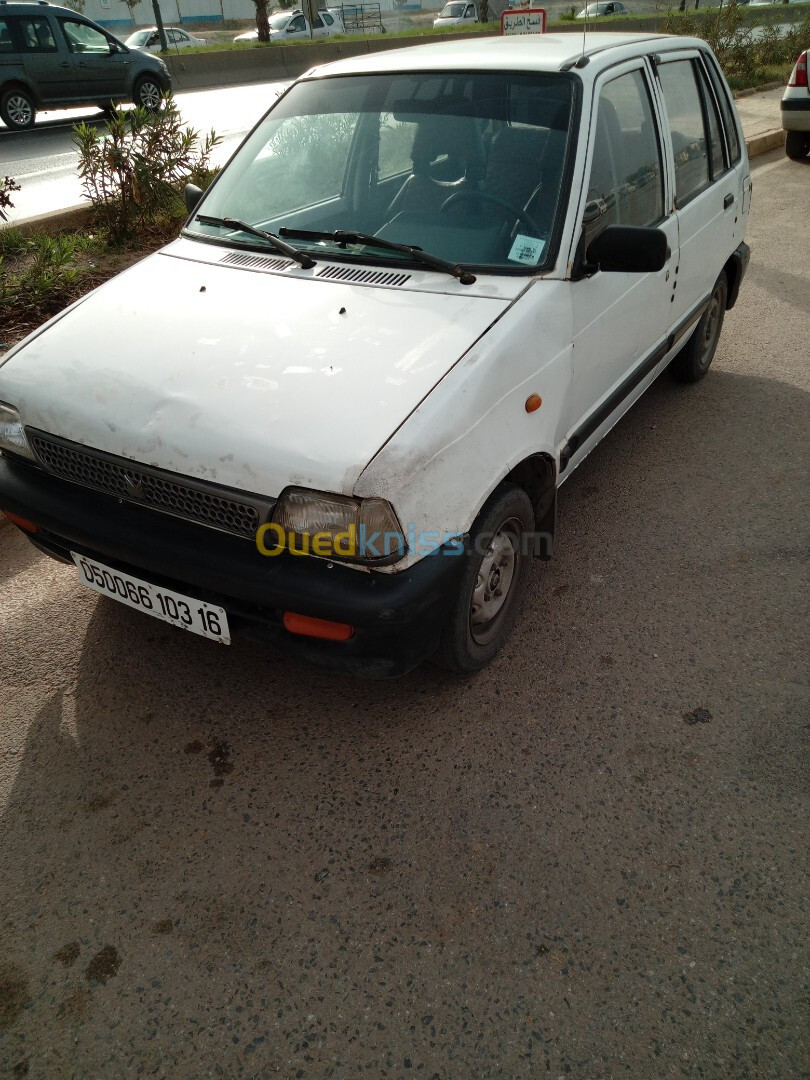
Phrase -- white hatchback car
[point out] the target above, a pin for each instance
(148, 40)
(456, 13)
(335, 413)
(284, 24)
(795, 108)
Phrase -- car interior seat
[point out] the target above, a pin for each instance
(448, 156)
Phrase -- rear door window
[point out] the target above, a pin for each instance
(36, 34)
(691, 142)
(726, 111)
(6, 40)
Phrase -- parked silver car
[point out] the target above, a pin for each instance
(53, 58)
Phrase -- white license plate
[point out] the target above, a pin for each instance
(172, 607)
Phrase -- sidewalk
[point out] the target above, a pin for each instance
(761, 120)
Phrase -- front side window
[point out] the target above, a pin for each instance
(37, 35)
(690, 140)
(626, 184)
(82, 38)
(466, 166)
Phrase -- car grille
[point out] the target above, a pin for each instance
(206, 504)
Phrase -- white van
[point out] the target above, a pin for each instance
(336, 411)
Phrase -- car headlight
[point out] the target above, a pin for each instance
(333, 527)
(12, 432)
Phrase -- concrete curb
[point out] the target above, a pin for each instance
(768, 140)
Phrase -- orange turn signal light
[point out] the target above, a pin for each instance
(533, 402)
(21, 522)
(317, 628)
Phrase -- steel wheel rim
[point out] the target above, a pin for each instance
(19, 110)
(710, 333)
(150, 95)
(495, 582)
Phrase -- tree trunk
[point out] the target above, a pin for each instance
(262, 23)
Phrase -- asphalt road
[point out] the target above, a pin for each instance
(43, 161)
(588, 861)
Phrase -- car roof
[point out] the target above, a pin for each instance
(18, 6)
(519, 52)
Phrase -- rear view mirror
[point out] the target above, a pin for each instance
(628, 249)
(192, 194)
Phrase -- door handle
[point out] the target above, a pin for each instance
(727, 202)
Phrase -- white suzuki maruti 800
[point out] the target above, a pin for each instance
(336, 411)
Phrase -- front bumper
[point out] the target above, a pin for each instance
(397, 618)
(795, 114)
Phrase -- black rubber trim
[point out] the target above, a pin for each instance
(598, 416)
(397, 616)
(741, 257)
(795, 105)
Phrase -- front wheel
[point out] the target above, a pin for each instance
(797, 144)
(148, 93)
(17, 109)
(693, 361)
(494, 582)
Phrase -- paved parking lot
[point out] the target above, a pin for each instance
(587, 861)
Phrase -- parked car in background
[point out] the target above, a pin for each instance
(336, 412)
(148, 39)
(456, 13)
(795, 109)
(53, 58)
(594, 11)
(293, 24)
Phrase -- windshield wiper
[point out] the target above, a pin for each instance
(342, 237)
(306, 261)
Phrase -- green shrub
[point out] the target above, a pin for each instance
(7, 185)
(134, 172)
(569, 14)
(39, 273)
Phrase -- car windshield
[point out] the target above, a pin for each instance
(140, 37)
(452, 11)
(468, 167)
(279, 20)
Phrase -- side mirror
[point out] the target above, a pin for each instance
(627, 249)
(192, 194)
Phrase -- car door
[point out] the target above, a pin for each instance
(709, 189)
(102, 67)
(297, 26)
(620, 320)
(49, 70)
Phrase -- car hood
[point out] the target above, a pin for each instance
(252, 380)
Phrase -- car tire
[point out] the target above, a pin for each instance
(148, 93)
(694, 360)
(797, 144)
(493, 585)
(17, 109)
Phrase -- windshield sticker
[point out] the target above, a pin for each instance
(527, 250)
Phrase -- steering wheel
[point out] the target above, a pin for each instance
(484, 196)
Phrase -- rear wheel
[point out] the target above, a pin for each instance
(693, 361)
(797, 144)
(494, 582)
(148, 93)
(17, 109)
